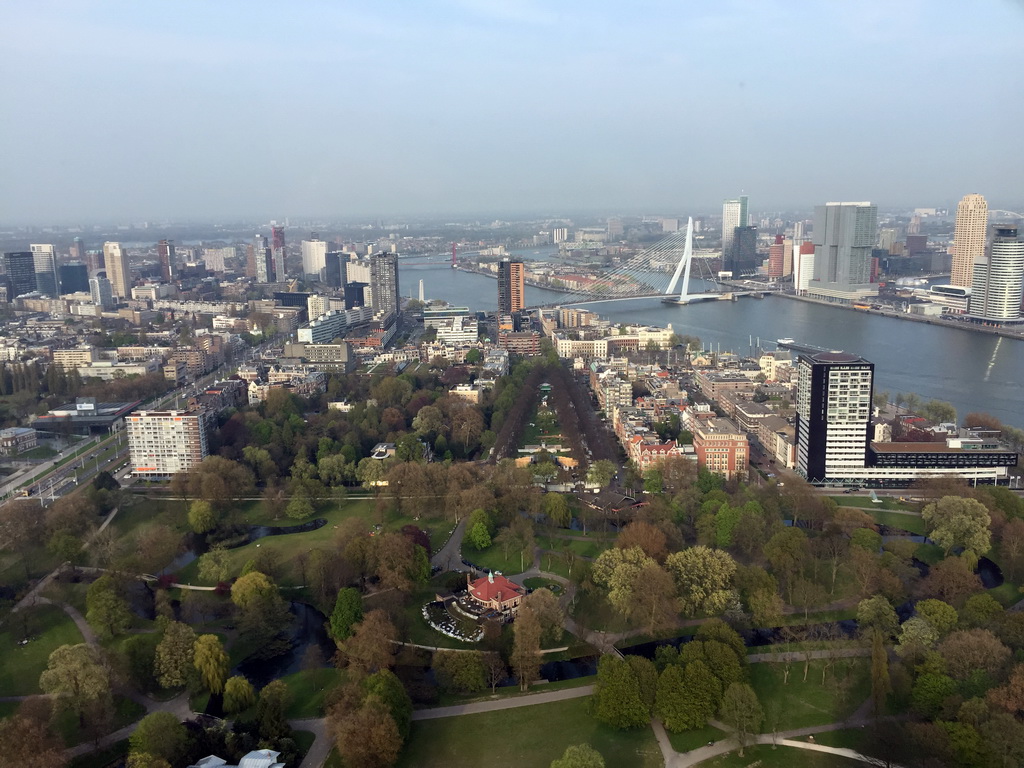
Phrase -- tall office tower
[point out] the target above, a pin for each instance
(74, 277)
(314, 258)
(843, 237)
(968, 238)
(77, 250)
(787, 257)
(384, 284)
(262, 262)
(423, 293)
(45, 264)
(118, 271)
(165, 255)
(734, 214)
(803, 267)
(776, 258)
(559, 235)
(20, 268)
(317, 306)
(798, 232)
(914, 227)
(615, 229)
(833, 414)
(163, 443)
(741, 258)
(998, 278)
(335, 272)
(511, 292)
(101, 293)
(277, 252)
(887, 239)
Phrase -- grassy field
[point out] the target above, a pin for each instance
(764, 756)
(104, 757)
(126, 712)
(20, 665)
(309, 689)
(801, 704)
(494, 558)
(911, 523)
(687, 740)
(865, 502)
(527, 737)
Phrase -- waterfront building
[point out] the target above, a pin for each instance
(19, 266)
(803, 267)
(734, 214)
(833, 414)
(163, 443)
(165, 255)
(511, 282)
(776, 257)
(44, 260)
(843, 237)
(118, 271)
(385, 297)
(741, 258)
(314, 257)
(998, 278)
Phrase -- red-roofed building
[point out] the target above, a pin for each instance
(496, 592)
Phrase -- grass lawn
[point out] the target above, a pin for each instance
(20, 665)
(929, 553)
(531, 737)
(304, 740)
(912, 523)
(309, 689)
(126, 712)
(590, 548)
(333, 759)
(494, 558)
(539, 582)
(801, 704)
(1007, 594)
(142, 511)
(555, 563)
(687, 740)
(763, 756)
(865, 502)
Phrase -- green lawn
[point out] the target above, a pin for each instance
(801, 704)
(912, 523)
(687, 740)
(527, 737)
(126, 712)
(865, 502)
(494, 558)
(764, 756)
(112, 755)
(309, 689)
(20, 665)
(590, 548)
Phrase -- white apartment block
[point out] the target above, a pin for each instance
(163, 443)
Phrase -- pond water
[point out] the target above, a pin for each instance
(307, 630)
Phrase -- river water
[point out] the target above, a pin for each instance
(973, 371)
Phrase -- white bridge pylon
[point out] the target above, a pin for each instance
(684, 264)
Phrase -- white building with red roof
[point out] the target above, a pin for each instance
(495, 592)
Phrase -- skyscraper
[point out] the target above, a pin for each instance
(335, 273)
(776, 262)
(384, 284)
(165, 254)
(998, 278)
(741, 258)
(74, 277)
(77, 250)
(101, 293)
(262, 260)
(833, 414)
(844, 236)
(314, 258)
(118, 271)
(277, 252)
(511, 280)
(45, 264)
(734, 214)
(20, 269)
(968, 238)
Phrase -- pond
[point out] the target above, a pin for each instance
(307, 630)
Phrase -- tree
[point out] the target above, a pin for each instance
(270, 709)
(201, 517)
(398, 562)
(929, 692)
(556, 507)
(495, 669)
(460, 671)
(477, 536)
(601, 473)
(371, 645)
(787, 551)
(741, 711)
(951, 580)
(720, 659)
(526, 634)
(106, 610)
(876, 614)
(970, 650)
(28, 743)
(300, 506)
(687, 697)
(369, 736)
(145, 760)
(579, 756)
(981, 611)
(348, 611)
(881, 685)
(917, 635)
(703, 579)
(649, 537)
(211, 661)
(1010, 695)
(160, 735)
(955, 521)
(213, 565)
(175, 655)
(238, 694)
(942, 617)
(386, 686)
(21, 528)
(78, 676)
(618, 701)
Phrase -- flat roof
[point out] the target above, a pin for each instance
(929, 448)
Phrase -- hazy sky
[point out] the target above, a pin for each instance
(159, 109)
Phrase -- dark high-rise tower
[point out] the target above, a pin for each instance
(511, 282)
(833, 415)
(384, 284)
(20, 267)
(742, 256)
(165, 255)
(74, 277)
(260, 264)
(277, 252)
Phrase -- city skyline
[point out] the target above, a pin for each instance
(578, 108)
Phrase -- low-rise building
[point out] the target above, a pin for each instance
(722, 447)
(17, 440)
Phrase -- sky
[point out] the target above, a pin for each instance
(118, 111)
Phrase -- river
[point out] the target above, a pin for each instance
(973, 371)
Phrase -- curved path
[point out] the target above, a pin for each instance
(449, 557)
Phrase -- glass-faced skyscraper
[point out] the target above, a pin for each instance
(844, 236)
(833, 415)
(998, 278)
(384, 284)
(734, 214)
(511, 282)
(20, 269)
